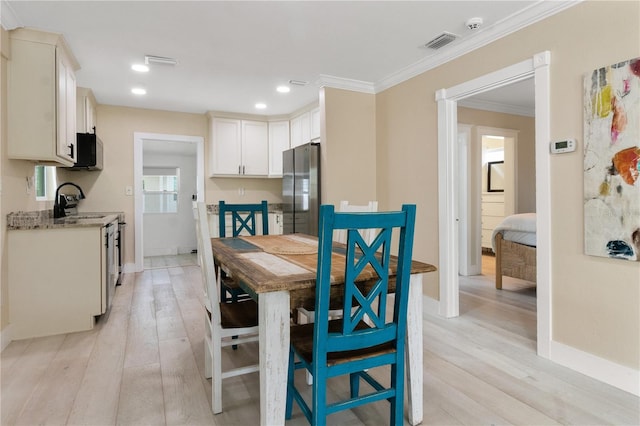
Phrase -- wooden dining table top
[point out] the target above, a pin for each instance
(268, 263)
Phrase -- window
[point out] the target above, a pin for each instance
(45, 182)
(160, 187)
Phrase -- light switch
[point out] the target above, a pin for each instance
(128, 190)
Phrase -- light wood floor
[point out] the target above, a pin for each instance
(143, 365)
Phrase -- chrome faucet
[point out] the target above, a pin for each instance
(60, 201)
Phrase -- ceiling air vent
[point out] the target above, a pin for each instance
(441, 41)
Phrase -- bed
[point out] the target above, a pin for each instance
(514, 243)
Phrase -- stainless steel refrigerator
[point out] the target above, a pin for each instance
(301, 189)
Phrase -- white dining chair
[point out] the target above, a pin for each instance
(306, 316)
(369, 234)
(227, 324)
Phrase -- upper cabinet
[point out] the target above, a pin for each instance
(239, 147)
(300, 129)
(278, 142)
(41, 90)
(85, 110)
(315, 124)
(305, 127)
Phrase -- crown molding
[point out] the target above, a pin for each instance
(8, 17)
(534, 13)
(346, 84)
(497, 107)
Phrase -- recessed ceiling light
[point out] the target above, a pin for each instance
(139, 91)
(261, 105)
(283, 89)
(140, 68)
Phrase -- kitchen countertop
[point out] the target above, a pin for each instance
(43, 219)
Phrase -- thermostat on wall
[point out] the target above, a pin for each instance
(560, 147)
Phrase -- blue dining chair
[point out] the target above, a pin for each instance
(330, 348)
(243, 222)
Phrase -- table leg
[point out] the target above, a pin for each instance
(414, 354)
(274, 326)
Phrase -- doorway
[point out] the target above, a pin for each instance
(449, 184)
(160, 169)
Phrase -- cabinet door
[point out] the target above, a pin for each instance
(275, 223)
(300, 130)
(278, 142)
(86, 110)
(315, 124)
(255, 148)
(66, 109)
(70, 124)
(226, 148)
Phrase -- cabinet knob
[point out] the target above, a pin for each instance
(71, 150)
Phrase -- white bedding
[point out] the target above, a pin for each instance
(519, 228)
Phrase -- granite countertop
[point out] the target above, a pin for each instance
(43, 219)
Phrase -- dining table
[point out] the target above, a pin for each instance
(279, 272)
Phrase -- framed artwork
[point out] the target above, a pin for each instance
(495, 176)
(611, 161)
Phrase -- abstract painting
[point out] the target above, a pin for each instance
(612, 161)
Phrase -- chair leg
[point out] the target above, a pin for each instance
(207, 359)
(289, 406)
(354, 384)
(397, 402)
(216, 377)
(319, 401)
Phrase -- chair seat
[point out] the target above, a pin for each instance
(302, 342)
(239, 315)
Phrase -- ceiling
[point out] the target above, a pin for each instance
(232, 54)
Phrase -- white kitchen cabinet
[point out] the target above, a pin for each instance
(315, 124)
(300, 129)
(85, 110)
(278, 142)
(275, 223)
(239, 147)
(41, 98)
(58, 279)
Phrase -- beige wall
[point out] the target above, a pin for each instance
(594, 300)
(348, 147)
(525, 155)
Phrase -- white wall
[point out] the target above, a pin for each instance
(166, 234)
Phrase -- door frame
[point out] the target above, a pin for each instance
(138, 142)
(449, 186)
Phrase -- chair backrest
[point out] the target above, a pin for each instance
(243, 218)
(370, 261)
(205, 254)
(368, 234)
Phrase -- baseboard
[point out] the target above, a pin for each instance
(129, 268)
(608, 372)
(5, 337)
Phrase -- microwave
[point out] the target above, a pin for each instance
(88, 152)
